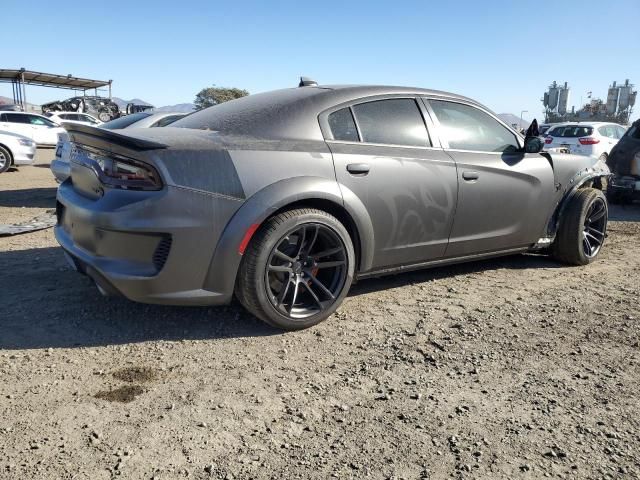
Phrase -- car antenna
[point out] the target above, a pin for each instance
(307, 82)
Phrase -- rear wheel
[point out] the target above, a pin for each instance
(583, 228)
(297, 269)
(5, 159)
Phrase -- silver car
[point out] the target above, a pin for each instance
(60, 164)
(15, 150)
(284, 198)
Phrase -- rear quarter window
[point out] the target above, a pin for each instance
(342, 125)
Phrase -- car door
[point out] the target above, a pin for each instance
(383, 154)
(505, 196)
(16, 123)
(44, 130)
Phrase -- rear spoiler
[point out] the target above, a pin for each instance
(78, 131)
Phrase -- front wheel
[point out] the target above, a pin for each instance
(297, 269)
(5, 159)
(583, 228)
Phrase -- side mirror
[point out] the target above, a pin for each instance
(533, 145)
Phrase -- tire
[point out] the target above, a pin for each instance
(582, 229)
(297, 269)
(5, 159)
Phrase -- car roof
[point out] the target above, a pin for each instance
(292, 113)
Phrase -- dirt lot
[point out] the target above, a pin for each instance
(513, 368)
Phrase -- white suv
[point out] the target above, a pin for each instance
(36, 127)
(595, 139)
(73, 117)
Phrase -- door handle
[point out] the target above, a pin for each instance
(470, 175)
(358, 168)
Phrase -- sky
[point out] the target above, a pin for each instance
(503, 53)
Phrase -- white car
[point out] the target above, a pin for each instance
(595, 139)
(73, 117)
(36, 127)
(60, 165)
(15, 149)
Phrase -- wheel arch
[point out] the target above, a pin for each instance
(10, 152)
(315, 192)
(584, 179)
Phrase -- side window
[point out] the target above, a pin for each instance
(342, 126)
(608, 131)
(36, 120)
(394, 121)
(16, 118)
(621, 131)
(3, 117)
(469, 128)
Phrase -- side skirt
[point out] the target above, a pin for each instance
(441, 262)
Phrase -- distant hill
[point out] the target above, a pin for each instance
(122, 104)
(510, 119)
(9, 101)
(180, 107)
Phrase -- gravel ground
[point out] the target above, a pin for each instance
(511, 368)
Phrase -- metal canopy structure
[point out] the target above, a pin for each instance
(20, 78)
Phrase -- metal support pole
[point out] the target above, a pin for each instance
(110, 89)
(24, 94)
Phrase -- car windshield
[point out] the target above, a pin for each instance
(571, 131)
(124, 122)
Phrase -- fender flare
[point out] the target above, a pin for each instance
(225, 263)
(576, 183)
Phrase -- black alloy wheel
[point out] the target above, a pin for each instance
(306, 271)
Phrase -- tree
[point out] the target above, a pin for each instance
(207, 97)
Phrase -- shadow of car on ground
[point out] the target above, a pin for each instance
(46, 304)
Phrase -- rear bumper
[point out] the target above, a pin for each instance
(150, 247)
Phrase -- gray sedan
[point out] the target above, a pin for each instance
(284, 198)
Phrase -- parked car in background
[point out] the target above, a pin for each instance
(143, 120)
(73, 117)
(15, 150)
(283, 198)
(595, 139)
(624, 162)
(544, 127)
(60, 164)
(36, 127)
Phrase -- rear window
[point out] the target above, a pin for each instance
(124, 122)
(571, 131)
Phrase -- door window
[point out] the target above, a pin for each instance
(342, 125)
(395, 121)
(40, 121)
(469, 128)
(16, 118)
(621, 131)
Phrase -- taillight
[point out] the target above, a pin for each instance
(118, 171)
(548, 140)
(588, 141)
